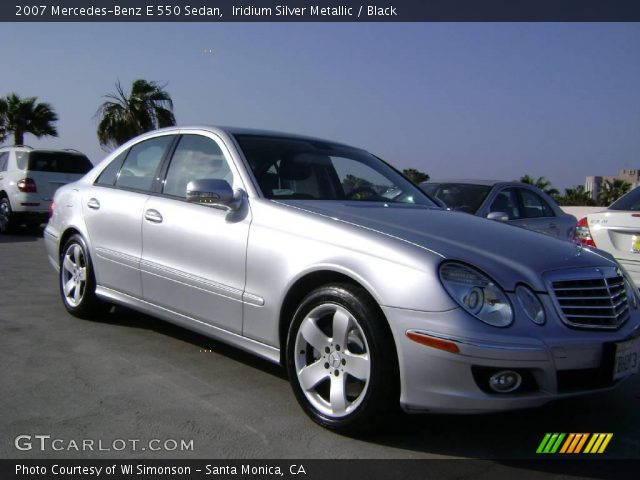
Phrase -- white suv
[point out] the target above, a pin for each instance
(29, 178)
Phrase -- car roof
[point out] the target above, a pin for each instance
(27, 148)
(471, 181)
(252, 131)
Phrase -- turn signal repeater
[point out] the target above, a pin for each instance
(435, 342)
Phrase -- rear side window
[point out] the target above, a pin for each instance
(4, 157)
(58, 162)
(109, 174)
(533, 206)
(21, 160)
(506, 202)
(139, 169)
(629, 201)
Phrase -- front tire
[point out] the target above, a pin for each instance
(341, 359)
(77, 281)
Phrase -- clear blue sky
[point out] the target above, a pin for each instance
(454, 100)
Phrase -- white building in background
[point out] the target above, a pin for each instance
(593, 185)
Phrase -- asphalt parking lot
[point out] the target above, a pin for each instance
(130, 376)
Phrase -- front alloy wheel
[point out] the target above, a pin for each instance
(333, 368)
(341, 360)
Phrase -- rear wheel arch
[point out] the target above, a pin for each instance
(64, 238)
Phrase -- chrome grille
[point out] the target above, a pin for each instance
(592, 302)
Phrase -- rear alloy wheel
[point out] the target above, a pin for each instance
(77, 282)
(5, 215)
(341, 361)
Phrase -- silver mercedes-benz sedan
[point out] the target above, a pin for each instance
(292, 248)
(515, 203)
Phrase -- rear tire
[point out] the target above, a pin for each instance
(6, 216)
(341, 360)
(77, 281)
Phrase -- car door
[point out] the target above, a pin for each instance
(193, 259)
(113, 209)
(537, 214)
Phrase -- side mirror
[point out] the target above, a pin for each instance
(212, 192)
(499, 216)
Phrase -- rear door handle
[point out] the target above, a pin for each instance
(153, 216)
(93, 203)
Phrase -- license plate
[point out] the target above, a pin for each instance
(627, 358)
(635, 243)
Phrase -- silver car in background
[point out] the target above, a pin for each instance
(287, 247)
(516, 203)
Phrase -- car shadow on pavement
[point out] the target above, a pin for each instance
(501, 437)
(517, 434)
(125, 317)
(22, 235)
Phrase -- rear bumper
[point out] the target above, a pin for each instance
(51, 246)
(29, 204)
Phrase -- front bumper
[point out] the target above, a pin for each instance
(557, 361)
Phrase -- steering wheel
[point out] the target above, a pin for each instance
(363, 189)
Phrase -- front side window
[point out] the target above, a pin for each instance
(195, 158)
(139, 169)
(301, 169)
(459, 196)
(533, 206)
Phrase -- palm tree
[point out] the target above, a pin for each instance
(576, 196)
(26, 115)
(612, 190)
(123, 117)
(542, 183)
(416, 176)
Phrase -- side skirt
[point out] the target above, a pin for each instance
(257, 348)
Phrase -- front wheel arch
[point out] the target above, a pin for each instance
(300, 289)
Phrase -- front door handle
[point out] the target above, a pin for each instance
(153, 216)
(93, 203)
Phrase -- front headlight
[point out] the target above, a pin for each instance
(476, 293)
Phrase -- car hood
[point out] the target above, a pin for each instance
(507, 253)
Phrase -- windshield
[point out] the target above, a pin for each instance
(464, 197)
(291, 168)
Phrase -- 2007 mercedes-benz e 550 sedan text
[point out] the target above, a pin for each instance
(323, 257)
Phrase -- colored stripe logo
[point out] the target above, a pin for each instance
(574, 443)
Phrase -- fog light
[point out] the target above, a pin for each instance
(505, 381)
